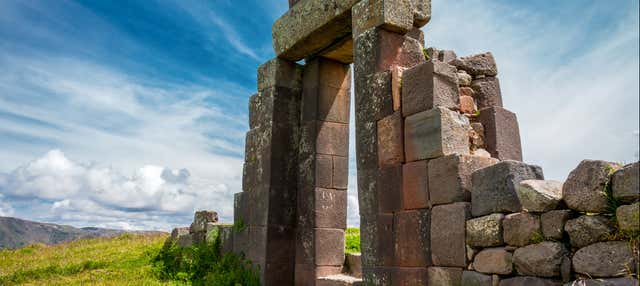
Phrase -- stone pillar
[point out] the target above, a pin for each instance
(323, 170)
(265, 210)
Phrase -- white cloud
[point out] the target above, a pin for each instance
(5, 208)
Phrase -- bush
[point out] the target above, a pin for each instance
(352, 240)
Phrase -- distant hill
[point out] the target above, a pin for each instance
(16, 233)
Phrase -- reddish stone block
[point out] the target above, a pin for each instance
(444, 276)
(409, 276)
(333, 139)
(415, 192)
(417, 34)
(279, 72)
(377, 50)
(390, 189)
(324, 171)
(396, 86)
(330, 208)
(390, 145)
(466, 91)
(467, 105)
(487, 92)
(340, 172)
(281, 273)
(428, 85)
(434, 133)
(412, 244)
(450, 177)
(329, 246)
(448, 229)
(502, 134)
(326, 91)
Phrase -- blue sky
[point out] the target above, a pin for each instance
(131, 114)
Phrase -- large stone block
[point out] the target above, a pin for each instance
(340, 172)
(390, 140)
(529, 281)
(311, 26)
(326, 91)
(279, 73)
(628, 217)
(377, 276)
(390, 189)
(586, 230)
(377, 50)
(625, 185)
(493, 261)
(605, 259)
(480, 64)
(487, 92)
(330, 208)
(450, 177)
(543, 259)
(584, 189)
(412, 240)
(553, 222)
(377, 238)
(485, 231)
(494, 187)
(539, 195)
(605, 282)
(428, 85)
(332, 139)
(472, 278)
(396, 87)
(329, 246)
(353, 262)
(501, 133)
(391, 15)
(324, 171)
(421, 12)
(444, 276)
(415, 193)
(448, 246)
(201, 218)
(434, 133)
(409, 276)
(280, 244)
(521, 229)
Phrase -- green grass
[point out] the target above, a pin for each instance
(352, 240)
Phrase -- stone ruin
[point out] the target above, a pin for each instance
(444, 197)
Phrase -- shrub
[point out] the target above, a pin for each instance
(352, 240)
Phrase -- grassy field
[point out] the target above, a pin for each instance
(124, 260)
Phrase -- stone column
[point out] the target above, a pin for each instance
(265, 210)
(323, 170)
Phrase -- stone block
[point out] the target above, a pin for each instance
(529, 281)
(553, 222)
(487, 92)
(605, 259)
(480, 64)
(493, 261)
(421, 12)
(409, 276)
(354, 264)
(584, 188)
(330, 208)
(467, 105)
(278, 273)
(185, 240)
(226, 238)
(368, 192)
(329, 246)
(625, 184)
(311, 26)
(340, 172)
(240, 208)
(279, 73)
(392, 15)
(415, 194)
(485, 231)
(543, 259)
(539, 195)
(324, 171)
(337, 280)
(450, 177)
(605, 282)
(176, 232)
(587, 229)
(501, 133)
(472, 278)
(628, 217)
(326, 91)
(464, 80)
(377, 238)
(494, 187)
(378, 50)
(435, 133)
(333, 139)
(390, 141)
(444, 276)
(377, 276)
(396, 87)
(521, 229)
(390, 189)
(280, 244)
(428, 85)
(448, 246)
(417, 34)
(412, 241)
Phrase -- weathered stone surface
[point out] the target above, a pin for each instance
(485, 231)
(421, 12)
(390, 140)
(340, 178)
(543, 259)
(329, 246)
(390, 196)
(450, 177)
(391, 15)
(337, 280)
(332, 139)
(412, 239)
(552, 223)
(377, 50)
(444, 56)
(396, 87)
(429, 85)
(584, 188)
(625, 185)
(501, 133)
(464, 79)
(177, 232)
(521, 229)
(326, 91)
(587, 229)
(377, 239)
(480, 64)
(415, 194)
(464, 90)
(476, 139)
(434, 133)
(311, 26)
(330, 208)
(444, 276)
(472, 278)
(626, 281)
(493, 261)
(354, 264)
(467, 105)
(539, 195)
(417, 34)
(605, 259)
(494, 187)
(340, 51)
(185, 240)
(487, 92)
(279, 73)
(448, 234)
(529, 281)
(628, 217)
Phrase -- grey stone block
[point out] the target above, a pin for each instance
(543, 259)
(605, 259)
(485, 231)
(584, 189)
(586, 230)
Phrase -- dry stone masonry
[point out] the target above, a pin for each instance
(444, 196)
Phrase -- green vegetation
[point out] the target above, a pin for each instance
(537, 237)
(425, 53)
(352, 240)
